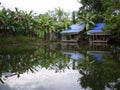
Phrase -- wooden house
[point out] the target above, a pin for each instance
(97, 35)
(73, 33)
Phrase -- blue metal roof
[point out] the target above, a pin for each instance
(97, 28)
(75, 28)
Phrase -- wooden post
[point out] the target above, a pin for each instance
(93, 38)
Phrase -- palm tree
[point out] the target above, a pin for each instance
(59, 13)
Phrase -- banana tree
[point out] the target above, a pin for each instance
(42, 23)
(45, 25)
(23, 21)
(87, 19)
(3, 17)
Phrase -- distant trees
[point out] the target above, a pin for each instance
(52, 22)
(74, 16)
(27, 23)
(20, 22)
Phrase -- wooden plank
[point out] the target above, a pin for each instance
(99, 41)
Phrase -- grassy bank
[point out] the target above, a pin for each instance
(18, 39)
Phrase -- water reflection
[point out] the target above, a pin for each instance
(16, 60)
(94, 67)
(100, 69)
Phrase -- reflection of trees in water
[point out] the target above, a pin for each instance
(99, 75)
(51, 59)
(96, 75)
(17, 60)
(116, 52)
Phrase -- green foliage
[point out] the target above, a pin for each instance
(113, 24)
(87, 19)
(20, 22)
(47, 25)
(74, 17)
(112, 18)
(91, 5)
(19, 59)
(105, 11)
(61, 14)
(17, 21)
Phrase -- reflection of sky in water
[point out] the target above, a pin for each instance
(44, 80)
(64, 79)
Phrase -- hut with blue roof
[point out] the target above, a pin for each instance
(99, 35)
(73, 33)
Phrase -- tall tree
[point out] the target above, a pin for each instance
(59, 13)
(94, 5)
(74, 17)
(112, 17)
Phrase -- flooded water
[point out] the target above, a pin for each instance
(66, 66)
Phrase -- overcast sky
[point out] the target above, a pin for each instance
(41, 6)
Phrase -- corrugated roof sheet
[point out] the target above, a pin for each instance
(97, 28)
(75, 28)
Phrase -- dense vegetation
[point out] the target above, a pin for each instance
(103, 11)
(49, 25)
(25, 23)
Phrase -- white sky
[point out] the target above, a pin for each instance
(41, 6)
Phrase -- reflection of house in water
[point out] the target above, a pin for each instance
(99, 47)
(97, 51)
(70, 46)
(74, 55)
(73, 51)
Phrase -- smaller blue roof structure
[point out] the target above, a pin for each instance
(98, 29)
(98, 26)
(74, 29)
